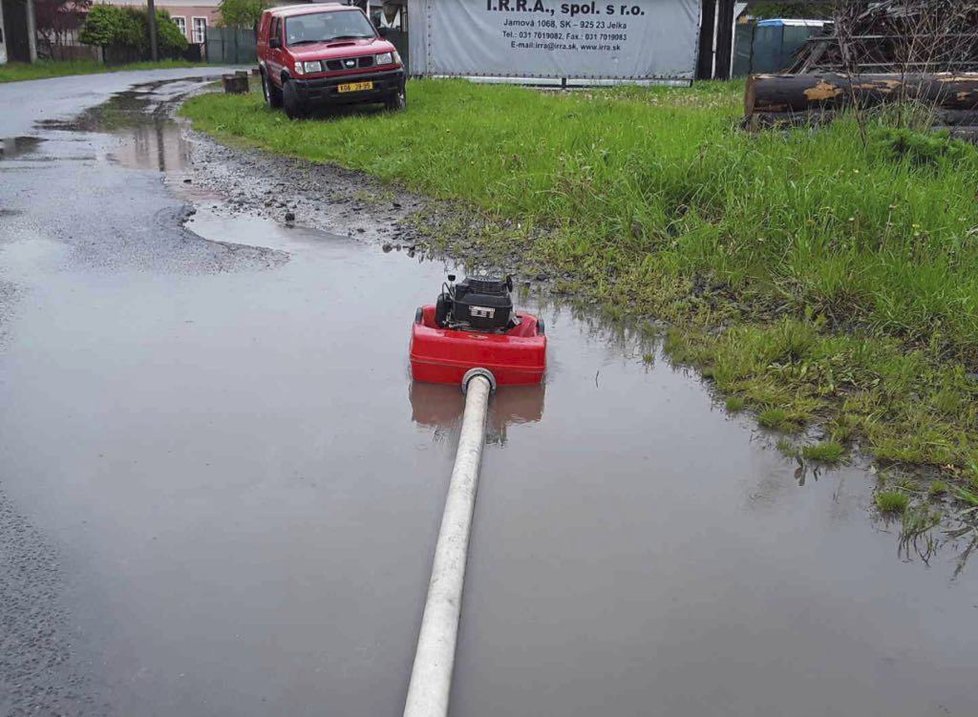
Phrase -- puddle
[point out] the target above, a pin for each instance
(246, 230)
(142, 119)
(256, 487)
(159, 145)
(12, 147)
(28, 255)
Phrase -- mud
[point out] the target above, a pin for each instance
(244, 486)
(255, 184)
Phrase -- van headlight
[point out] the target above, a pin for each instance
(385, 58)
(309, 67)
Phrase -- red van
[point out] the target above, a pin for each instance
(318, 55)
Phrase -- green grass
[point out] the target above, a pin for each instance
(813, 276)
(735, 403)
(892, 501)
(824, 452)
(775, 419)
(16, 71)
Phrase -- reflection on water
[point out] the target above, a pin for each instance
(962, 539)
(440, 408)
(924, 532)
(142, 118)
(159, 146)
(11, 147)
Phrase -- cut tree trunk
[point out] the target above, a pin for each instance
(236, 84)
(832, 91)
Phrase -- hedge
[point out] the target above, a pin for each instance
(127, 29)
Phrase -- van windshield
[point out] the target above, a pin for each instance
(327, 26)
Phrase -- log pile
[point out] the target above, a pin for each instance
(923, 52)
(948, 100)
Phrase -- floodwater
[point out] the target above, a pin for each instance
(11, 147)
(247, 488)
(141, 119)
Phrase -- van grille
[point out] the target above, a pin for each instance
(344, 64)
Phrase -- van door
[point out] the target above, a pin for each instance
(274, 61)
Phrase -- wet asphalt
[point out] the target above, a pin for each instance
(219, 490)
(59, 203)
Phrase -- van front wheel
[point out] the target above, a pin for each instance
(273, 95)
(294, 107)
(396, 102)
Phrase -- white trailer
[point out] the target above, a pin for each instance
(3, 39)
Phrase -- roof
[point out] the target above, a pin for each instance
(307, 9)
(793, 23)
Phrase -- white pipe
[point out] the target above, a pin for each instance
(431, 677)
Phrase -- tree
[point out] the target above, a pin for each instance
(127, 28)
(241, 13)
(55, 20)
(172, 41)
(111, 26)
(811, 10)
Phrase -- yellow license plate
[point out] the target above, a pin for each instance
(355, 87)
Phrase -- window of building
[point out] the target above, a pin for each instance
(200, 30)
(181, 22)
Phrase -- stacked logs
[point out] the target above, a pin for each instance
(774, 100)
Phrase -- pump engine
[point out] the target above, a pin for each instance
(476, 304)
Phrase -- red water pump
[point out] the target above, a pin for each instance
(473, 324)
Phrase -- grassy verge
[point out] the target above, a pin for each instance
(16, 71)
(814, 278)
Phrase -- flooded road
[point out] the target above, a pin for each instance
(214, 430)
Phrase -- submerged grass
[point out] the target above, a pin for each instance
(812, 276)
(16, 71)
(824, 452)
(787, 448)
(892, 501)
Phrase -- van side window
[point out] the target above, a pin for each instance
(276, 30)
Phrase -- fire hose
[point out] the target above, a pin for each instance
(434, 660)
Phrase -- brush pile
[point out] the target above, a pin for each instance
(895, 36)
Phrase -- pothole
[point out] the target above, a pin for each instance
(142, 119)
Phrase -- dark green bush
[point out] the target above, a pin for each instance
(127, 28)
(172, 42)
(922, 149)
(110, 26)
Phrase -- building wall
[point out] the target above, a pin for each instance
(187, 13)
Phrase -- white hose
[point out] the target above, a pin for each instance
(431, 677)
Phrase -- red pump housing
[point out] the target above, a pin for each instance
(516, 357)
